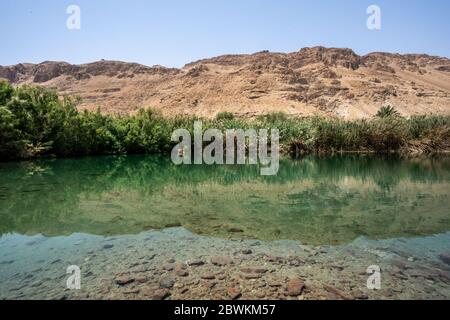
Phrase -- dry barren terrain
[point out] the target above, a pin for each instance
(324, 81)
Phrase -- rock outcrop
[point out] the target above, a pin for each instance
(324, 81)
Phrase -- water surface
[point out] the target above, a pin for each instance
(315, 200)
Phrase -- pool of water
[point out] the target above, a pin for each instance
(111, 214)
(330, 200)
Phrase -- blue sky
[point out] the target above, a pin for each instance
(175, 32)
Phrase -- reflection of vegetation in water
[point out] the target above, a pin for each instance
(315, 200)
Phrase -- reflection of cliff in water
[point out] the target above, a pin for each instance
(314, 199)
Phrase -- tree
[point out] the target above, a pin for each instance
(387, 111)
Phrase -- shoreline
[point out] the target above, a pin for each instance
(284, 152)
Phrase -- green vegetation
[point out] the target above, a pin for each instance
(224, 116)
(35, 122)
(387, 111)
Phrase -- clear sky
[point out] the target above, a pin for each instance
(175, 32)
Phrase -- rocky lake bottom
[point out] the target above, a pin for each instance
(177, 264)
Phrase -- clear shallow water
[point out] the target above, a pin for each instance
(114, 215)
(314, 200)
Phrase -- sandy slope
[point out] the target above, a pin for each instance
(317, 80)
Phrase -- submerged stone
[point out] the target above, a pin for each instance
(123, 280)
(295, 287)
(234, 292)
(221, 260)
(445, 257)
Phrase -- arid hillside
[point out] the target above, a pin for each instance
(325, 81)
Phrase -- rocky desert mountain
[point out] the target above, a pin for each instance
(324, 81)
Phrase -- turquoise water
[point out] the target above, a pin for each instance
(315, 200)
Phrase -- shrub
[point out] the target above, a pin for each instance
(387, 111)
(225, 115)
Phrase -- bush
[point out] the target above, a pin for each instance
(225, 115)
(386, 112)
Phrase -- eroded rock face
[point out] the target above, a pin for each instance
(311, 81)
(443, 68)
(48, 70)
